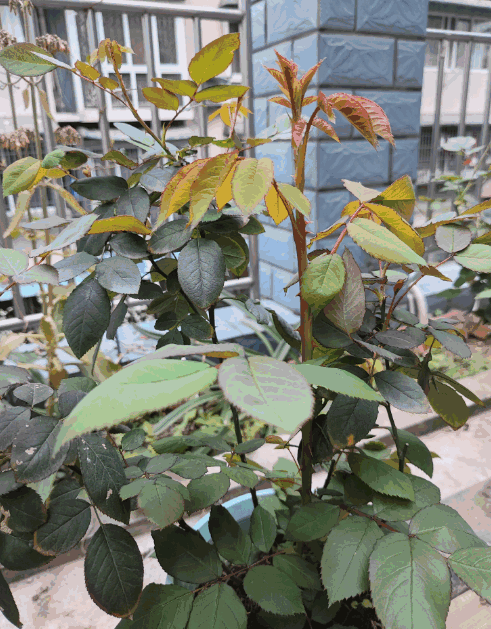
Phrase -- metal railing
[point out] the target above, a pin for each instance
(148, 9)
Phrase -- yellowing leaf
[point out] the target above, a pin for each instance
(485, 205)
(23, 201)
(161, 98)
(20, 175)
(359, 191)
(220, 93)
(54, 173)
(252, 180)
(295, 198)
(67, 196)
(177, 191)
(181, 87)
(398, 226)
(205, 184)
(88, 71)
(275, 206)
(119, 224)
(224, 191)
(334, 227)
(109, 84)
(382, 244)
(399, 196)
(43, 98)
(214, 58)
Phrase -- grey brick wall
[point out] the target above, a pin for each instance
(373, 48)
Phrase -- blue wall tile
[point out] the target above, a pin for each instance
(305, 54)
(311, 162)
(403, 17)
(258, 24)
(355, 160)
(356, 60)
(329, 207)
(275, 111)
(405, 159)
(276, 246)
(260, 114)
(265, 279)
(410, 62)
(402, 108)
(262, 80)
(280, 279)
(281, 154)
(290, 17)
(337, 14)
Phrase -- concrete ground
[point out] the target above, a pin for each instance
(57, 598)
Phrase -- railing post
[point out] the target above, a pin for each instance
(435, 136)
(18, 302)
(148, 46)
(103, 121)
(202, 120)
(463, 102)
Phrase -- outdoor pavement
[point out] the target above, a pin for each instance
(57, 598)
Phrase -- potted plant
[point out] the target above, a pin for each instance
(374, 546)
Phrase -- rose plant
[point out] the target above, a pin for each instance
(374, 546)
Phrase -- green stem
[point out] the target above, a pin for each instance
(395, 435)
(238, 436)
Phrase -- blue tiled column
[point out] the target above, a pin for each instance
(373, 48)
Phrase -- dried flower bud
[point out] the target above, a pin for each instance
(68, 136)
(53, 44)
(19, 5)
(17, 140)
(6, 39)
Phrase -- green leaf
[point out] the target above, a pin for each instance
(380, 476)
(401, 391)
(410, 583)
(303, 573)
(169, 237)
(235, 252)
(349, 420)
(17, 554)
(140, 388)
(273, 590)
(129, 245)
(218, 607)
(163, 607)
(402, 339)
(117, 318)
(244, 477)
(347, 309)
(339, 381)
(404, 316)
(196, 327)
(133, 439)
(186, 556)
(134, 202)
(381, 243)
(11, 421)
(67, 489)
(33, 393)
(20, 175)
(12, 262)
(100, 188)
(312, 521)
(444, 529)
(8, 482)
(133, 488)
(476, 257)
(323, 279)
(214, 58)
(345, 558)
(103, 474)
(33, 455)
(267, 389)
(295, 198)
(452, 342)
(201, 271)
(449, 405)
(253, 227)
(7, 603)
(249, 446)
(68, 268)
(19, 59)
(220, 93)
(44, 273)
(68, 521)
(26, 510)
(161, 504)
(114, 571)
(251, 181)
(86, 316)
(162, 463)
(452, 238)
(203, 492)
(119, 275)
(262, 529)
(77, 384)
(397, 509)
(473, 566)
(73, 232)
(459, 387)
(417, 451)
(232, 543)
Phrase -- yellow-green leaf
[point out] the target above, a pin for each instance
(295, 198)
(398, 226)
(181, 87)
(161, 98)
(88, 71)
(204, 186)
(22, 59)
(252, 180)
(224, 192)
(119, 224)
(214, 58)
(23, 201)
(119, 158)
(334, 227)
(382, 244)
(399, 196)
(220, 93)
(275, 206)
(485, 205)
(20, 175)
(109, 84)
(67, 196)
(178, 190)
(323, 279)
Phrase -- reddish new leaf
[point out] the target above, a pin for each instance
(309, 100)
(297, 131)
(379, 120)
(308, 76)
(321, 124)
(352, 108)
(280, 101)
(276, 74)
